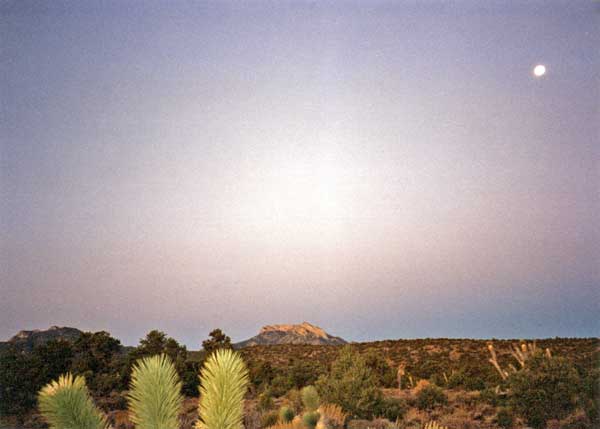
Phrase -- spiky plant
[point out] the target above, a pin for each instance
(310, 398)
(434, 425)
(286, 414)
(66, 404)
(333, 414)
(310, 419)
(223, 384)
(154, 397)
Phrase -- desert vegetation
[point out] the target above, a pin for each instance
(94, 382)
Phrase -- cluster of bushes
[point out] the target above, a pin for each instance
(97, 356)
(449, 363)
(154, 398)
(547, 388)
(101, 359)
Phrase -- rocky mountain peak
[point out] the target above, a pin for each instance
(304, 333)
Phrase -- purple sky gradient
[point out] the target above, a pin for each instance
(381, 169)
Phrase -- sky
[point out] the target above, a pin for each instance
(380, 169)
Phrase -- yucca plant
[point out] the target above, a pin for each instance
(286, 414)
(310, 419)
(154, 397)
(223, 384)
(310, 398)
(66, 404)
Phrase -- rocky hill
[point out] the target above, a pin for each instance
(305, 333)
(27, 340)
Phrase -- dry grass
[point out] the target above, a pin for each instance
(333, 416)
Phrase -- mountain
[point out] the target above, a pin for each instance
(304, 333)
(27, 340)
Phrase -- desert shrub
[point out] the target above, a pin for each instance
(286, 414)
(310, 398)
(223, 385)
(261, 374)
(545, 389)
(384, 373)
(467, 379)
(576, 420)
(351, 385)
(420, 385)
(294, 400)
(590, 396)
(391, 409)
(428, 367)
(456, 379)
(280, 384)
(311, 419)
(66, 403)
(333, 415)
(155, 393)
(114, 401)
(302, 373)
(430, 397)
(505, 418)
(189, 378)
(489, 396)
(265, 401)
(269, 419)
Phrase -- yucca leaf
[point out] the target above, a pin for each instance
(154, 397)
(66, 404)
(223, 384)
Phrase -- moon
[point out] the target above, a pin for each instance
(539, 70)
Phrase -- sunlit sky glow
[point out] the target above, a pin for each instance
(381, 169)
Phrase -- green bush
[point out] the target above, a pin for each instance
(265, 401)
(504, 418)
(489, 396)
(280, 385)
(391, 409)
(311, 419)
(301, 372)
(430, 397)
(456, 379)
(385, 375)
(546, 389)
(269, 419)
(19, 382)
(294, 399)
(286, 414)
(590, 394)
(351, 385)
(310, 398)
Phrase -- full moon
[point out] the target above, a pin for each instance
(539, 70)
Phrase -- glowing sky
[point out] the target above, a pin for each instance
(383, 170)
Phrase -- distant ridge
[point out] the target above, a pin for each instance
(26, 340)
(304, 333)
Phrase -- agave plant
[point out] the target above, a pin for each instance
(66, 404)
(223, 384)
(154, 397)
